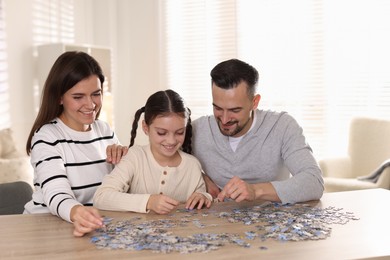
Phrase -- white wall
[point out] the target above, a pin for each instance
(137, 64)
(20, 67)
(128, 27)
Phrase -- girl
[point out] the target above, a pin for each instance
(162, 174)
(68, 143)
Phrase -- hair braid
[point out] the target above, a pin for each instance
(187, 147)
(135, 125)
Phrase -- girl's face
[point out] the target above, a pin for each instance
(166, 135)
(81, 104)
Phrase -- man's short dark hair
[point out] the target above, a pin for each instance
(228, 74)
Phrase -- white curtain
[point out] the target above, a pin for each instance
(53, 21)
(196, 35)
(323, 61)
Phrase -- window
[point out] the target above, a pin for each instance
(284, 40)
(322, 61)
(5, 120)
(53, 21)
(197, 35)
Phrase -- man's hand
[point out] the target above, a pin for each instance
(211, 187)
(198, 200)
(115, 152)
(161, 204)
(237, 190)
(85, 220)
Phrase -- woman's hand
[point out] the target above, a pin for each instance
(85, 220)
(115, 152)
(197, 200)
(161, 204)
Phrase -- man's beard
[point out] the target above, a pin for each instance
(235, 131)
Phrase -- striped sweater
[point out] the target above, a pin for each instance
(68, 166)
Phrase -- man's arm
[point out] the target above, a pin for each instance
(211, 187)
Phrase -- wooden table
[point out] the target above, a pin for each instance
(43, 236)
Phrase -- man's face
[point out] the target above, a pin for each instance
(233, 109)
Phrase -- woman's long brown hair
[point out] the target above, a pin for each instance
(69, 69)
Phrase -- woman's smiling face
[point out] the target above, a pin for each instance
(81, 103)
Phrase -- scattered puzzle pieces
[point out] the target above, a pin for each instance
(296, 222)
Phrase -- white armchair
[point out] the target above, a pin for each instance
(14, 166)
(368, 150)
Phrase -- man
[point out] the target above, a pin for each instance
(248, 153)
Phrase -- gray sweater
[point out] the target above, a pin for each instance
(273, 148)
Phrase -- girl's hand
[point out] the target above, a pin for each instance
(161, 204)
(115, 152)
(85, 220)
(197, 200)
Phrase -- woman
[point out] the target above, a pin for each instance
(68, 143)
